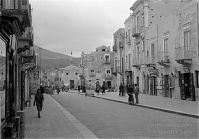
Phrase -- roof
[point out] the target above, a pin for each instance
(71, 67)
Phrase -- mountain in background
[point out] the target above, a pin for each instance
(51, 60)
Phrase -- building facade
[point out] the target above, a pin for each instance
(98, 65)
(119, 53)
(70, 76)
(16, 33)
(165, 48)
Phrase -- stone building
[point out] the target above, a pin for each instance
(70, 76)
(119, 53)
(98, 65)
(165, 49)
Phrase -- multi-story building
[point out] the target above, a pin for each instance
(98, 65)
(17, 34)
(119, 53)
(165, 54)
(129, 42)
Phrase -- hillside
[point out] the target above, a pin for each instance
(51, 60)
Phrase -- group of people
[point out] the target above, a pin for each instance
(132, 90)
(99, 88)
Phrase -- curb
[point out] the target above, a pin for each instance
(154, 108)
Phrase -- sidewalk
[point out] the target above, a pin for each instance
(55, 122)
(177, 106)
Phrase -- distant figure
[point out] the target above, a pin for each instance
(130, 92)
(121, 89)
(103, 88)
(39, 98)
(136, 94)
(79, 88)
(97, 89)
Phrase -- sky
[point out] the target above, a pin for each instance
(67, 26)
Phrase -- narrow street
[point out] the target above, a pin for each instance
(108, 119)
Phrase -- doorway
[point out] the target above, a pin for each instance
(72, 84)
(108, 84)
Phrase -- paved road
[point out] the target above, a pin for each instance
(108, 119)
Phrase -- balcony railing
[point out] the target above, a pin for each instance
(135, 62)
(183, 56)
(135, 32)
(107, 62)
(163, 58)
(16, 8)
(150, 61)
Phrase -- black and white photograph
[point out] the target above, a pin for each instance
(99, 69)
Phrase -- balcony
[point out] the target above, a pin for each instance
(135, 63)
(120, 70)
(22, 12)
(163, 58)
(150, 61)
(114, 71)
(109, 77)
(106, 62)
(182, 56)
(135, 32)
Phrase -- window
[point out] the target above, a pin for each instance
(143, 45)
(138, 52)
(107, 58)
(152, 50)
(92, 70)
(66, 73)
(129, 61)
(103, 50)
(108, 71)
(76, 73)
(23, 2)
(165, 49)
(89, 80)
(129, 41)
(186, 40)
(197, 78)
(137, 24)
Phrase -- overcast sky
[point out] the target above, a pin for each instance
(75, 25)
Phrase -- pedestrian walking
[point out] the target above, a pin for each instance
(103, 88)
(39, 98)
(79, 88)
(136, 94)
(121, 88)
(97, 88)
(130, 92)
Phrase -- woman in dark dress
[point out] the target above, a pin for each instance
(39, 98)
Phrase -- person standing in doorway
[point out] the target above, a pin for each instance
(136, 94)
(39, 98)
